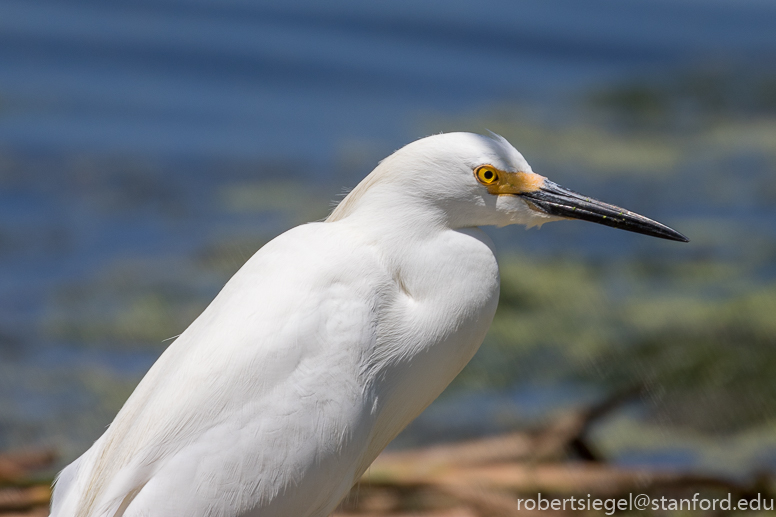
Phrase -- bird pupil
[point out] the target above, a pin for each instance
(488, 175)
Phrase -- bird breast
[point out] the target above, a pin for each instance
(445, 292)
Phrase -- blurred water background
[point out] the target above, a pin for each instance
(148, 148)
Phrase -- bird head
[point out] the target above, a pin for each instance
(465, 179)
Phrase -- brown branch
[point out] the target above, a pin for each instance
(20, 499)
(562, 436)
(579, 478)
(17, 465)
(488, 502)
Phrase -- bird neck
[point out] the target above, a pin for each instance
(387, 213)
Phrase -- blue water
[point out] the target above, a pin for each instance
(240, 78)
(198, 95)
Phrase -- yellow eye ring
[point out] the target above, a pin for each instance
(486, 174)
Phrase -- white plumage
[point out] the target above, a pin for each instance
(320, 350)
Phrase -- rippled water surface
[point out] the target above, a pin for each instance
(147, 149)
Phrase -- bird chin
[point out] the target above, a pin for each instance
(520, 212)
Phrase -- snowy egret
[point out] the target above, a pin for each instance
(326, 343)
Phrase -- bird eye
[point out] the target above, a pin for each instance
(486, 175)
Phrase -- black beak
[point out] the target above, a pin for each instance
(553, 199)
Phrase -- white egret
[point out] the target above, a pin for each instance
(326, 344)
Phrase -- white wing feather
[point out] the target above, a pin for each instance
(254, 368)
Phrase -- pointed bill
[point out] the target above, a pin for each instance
(555, 200)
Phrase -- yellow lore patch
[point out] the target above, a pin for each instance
(501, 182)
